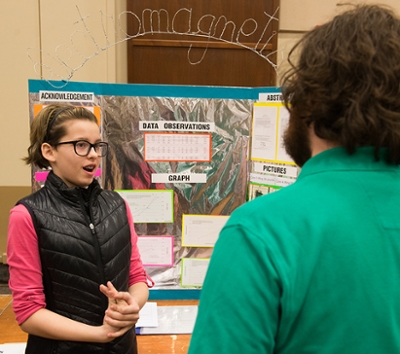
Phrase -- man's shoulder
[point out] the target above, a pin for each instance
(276, 209)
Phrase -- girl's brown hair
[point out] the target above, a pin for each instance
(48, 127)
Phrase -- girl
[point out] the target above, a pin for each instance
(71, 242)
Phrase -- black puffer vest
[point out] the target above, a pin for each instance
(84, 241)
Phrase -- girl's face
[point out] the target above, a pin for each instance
(74, 170)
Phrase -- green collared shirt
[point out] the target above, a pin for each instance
(312, 268)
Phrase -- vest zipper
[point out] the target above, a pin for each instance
(97, 250)
(89, 217)
(97, 247)
(88, 213)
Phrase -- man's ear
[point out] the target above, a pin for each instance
(48, 152)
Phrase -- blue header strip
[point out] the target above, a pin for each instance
(144, 90)
(179, 294)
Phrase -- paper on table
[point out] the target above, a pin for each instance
(173, 320)
(12, 348)
(148, 315)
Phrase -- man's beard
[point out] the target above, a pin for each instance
(297, 141)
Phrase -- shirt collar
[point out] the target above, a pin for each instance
(337, 159)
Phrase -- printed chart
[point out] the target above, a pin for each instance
(150, 206)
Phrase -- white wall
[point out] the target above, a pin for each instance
(299, 16)
(18, 31)
(302, 15)
(50, 32)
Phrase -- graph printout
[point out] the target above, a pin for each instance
(263, 142)
(202, 230)
(177, 147)
(150, 206)
(194, 271)
(282, 155)
(156, 250)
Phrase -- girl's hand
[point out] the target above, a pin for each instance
(122, 311)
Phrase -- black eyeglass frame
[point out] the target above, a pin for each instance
(98, 147)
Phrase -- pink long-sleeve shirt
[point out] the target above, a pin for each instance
(25, 267)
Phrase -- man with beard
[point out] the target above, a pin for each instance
(315, 267)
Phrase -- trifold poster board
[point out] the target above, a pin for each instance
(181, 156)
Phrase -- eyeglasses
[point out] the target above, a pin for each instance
(83, 147)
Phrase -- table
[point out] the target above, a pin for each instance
(154, 344)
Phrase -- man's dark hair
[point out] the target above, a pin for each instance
(346, 80)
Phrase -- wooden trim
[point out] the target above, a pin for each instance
(292, 31)
(197, 44)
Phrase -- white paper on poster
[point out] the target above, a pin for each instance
(156, 250)
(202, 230)
(179, 178)
(284, 182)
(194, 271)
(269, 168)
(282, 155)
(262, 179)
(271, 180)
(150, 206)
(177, 147)
(263, 141)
